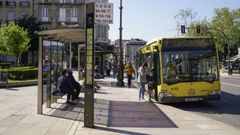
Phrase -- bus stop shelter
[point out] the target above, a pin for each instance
(52, 58)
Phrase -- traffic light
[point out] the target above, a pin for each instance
(198, 29)
(182, 29)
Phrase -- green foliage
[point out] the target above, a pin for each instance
(4, 65)
(32, 26)
(225, 27)
(188, 18)
(3, 46)
(23, 73)
(15, 39)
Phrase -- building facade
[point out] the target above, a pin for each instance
(60, 13)
(10, 10)
(54, 14)
(130, 47)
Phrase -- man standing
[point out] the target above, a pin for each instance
(65, 86)
(129, 71)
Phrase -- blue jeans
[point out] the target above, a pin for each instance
(142, 90)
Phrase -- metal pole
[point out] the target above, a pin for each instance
(228, 59)
(79, 72)
(120, 64)
(70, 53)
(40, 78)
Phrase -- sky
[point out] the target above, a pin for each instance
(149, 19)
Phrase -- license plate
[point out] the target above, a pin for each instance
(192, 99)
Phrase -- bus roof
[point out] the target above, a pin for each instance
(161, 38)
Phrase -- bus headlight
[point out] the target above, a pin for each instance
(165, 93)
(215, 92)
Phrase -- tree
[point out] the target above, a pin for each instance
(16, 40)
(3, 47)
(225, 27)
(185, 17)
(188, 18)
(32, 26)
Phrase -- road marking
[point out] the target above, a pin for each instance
(231, 84)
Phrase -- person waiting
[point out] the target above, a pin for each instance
(65, 86)
(75, 84)
(129, 71)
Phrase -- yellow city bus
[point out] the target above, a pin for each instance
(185, 69)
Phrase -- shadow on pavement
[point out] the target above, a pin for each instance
(229, 106)
(13, 89)
(137, 114)
(119, 131)
(114, 114)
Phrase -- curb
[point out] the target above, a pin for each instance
(18, 84)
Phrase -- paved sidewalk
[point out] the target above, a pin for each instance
(117, 111)
(225, 74)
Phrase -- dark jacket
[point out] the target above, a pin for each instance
(73, 81)
(64, 84)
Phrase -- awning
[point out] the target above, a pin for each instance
(65, 35)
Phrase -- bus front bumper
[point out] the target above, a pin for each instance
(188, 99)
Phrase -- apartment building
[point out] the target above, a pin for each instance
(10, 10)
(60, 13)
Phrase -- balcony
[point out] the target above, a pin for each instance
(45, 19)
(70, 2)
(73, 19)
(11, 3)
(24, 3)
(1, 3)
(61, 1)
(102, 40)
(62, 19)
(68, 20)
(76, 1)
(45, 1)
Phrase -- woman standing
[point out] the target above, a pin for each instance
(142, 79)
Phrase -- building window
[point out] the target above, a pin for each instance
(62, 14)
(62, 1)
(24, 1)
(44, 12)
(11, 16)
(74, 1)
(73, 12)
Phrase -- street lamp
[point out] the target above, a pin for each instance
(120, 63)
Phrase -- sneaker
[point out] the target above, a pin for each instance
(143, 99)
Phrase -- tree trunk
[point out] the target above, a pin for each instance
(18, 61)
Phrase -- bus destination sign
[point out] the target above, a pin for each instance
(103, 13)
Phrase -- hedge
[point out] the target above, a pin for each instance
(4, 65)
(22, 73)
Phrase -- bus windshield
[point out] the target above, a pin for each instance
(189, 66)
